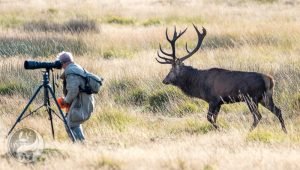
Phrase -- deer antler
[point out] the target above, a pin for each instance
(200, 39)
(173, 41)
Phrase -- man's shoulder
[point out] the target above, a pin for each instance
(74, 68)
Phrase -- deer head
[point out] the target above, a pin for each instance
(171, 58)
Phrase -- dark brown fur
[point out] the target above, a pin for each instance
(219, 86)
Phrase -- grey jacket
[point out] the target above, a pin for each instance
(82, 104)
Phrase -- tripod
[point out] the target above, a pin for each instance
(47, 89)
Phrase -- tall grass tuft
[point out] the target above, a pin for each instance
(73, 26)
(41, 46)
(119, 20)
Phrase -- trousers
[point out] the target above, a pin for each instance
(77, 132)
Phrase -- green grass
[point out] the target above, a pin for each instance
(11, 21)
(266, 1)
(191, 126)
(151, 22)
(117, 53)
(138, 97)
(197, 127)
(114, 118)
(11, 88)
(76, 25)
(187, 107)
(158, 101)
(49, 153)
(108, 163)
(264, 136)
(42, 46)
(119, 20)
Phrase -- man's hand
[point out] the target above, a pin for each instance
(62, 104)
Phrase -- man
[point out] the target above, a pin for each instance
(81, 103)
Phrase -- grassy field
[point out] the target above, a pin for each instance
(139, 123)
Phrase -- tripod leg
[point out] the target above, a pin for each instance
(24, 110)
(61, 113)
(47, 104)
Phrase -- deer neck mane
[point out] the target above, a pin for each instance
(189, 78)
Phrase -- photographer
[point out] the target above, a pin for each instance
(81, 103)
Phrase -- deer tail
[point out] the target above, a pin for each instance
(269, 84)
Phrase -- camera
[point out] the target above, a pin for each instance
(47, 65)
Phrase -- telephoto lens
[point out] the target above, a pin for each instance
(47, 65)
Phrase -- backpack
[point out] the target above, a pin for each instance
(92, 83)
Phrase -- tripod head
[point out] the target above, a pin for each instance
(46, 75)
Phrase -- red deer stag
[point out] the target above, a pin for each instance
(218, 86)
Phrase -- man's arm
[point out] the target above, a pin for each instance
(73, 83)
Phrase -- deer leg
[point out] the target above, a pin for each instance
(212, 114)
(253, 107)
(269, 104)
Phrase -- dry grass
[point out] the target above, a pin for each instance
(139, 123)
